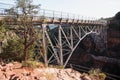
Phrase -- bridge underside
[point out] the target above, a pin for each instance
(61, 40)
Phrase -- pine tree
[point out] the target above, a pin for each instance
(24, 12)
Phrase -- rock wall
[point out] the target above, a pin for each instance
(113, 39)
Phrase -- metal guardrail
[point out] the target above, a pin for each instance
(58, 14)
(55, 14)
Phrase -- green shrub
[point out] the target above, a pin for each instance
(97, 74)
(94, 71)
(14, 50)
(32, 64)
(56, 66)
(102, 76)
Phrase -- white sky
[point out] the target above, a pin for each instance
(92, 8)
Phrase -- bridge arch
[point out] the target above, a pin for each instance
(67, 39)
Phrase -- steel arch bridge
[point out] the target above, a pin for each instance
(69, 30)
(64, 39)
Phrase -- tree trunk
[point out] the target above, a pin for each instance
(25, 54)
(25, 44)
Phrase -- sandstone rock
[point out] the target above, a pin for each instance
(7, 67)
(17, 65)
(1, 67)
(13, 72)
(86, 78)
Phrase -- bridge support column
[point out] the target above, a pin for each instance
(71, 37)
(44, 45)
(60, 45)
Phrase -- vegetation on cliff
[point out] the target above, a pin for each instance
(114, 23)
(19, 40)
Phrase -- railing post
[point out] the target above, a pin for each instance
(43, 12)
(74, 16)
(68, 16)
(53, 14)
(61, 15)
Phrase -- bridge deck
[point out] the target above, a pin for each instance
(56, 17)
(51, 20)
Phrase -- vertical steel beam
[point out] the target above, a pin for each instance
(60, 45)
(44, 44)
(79, 31)
(71, 37)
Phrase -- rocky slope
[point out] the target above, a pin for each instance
(14, 71)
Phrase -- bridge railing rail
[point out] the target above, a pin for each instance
(59, 14)
(54, 15)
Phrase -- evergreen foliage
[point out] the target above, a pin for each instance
(24, 12)
(13, 51)
(21, 45)
(2, 31)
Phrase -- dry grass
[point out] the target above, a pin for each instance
(97, 74)
(32, 64)
(50, 76)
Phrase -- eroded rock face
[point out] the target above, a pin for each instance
(90, 54)
(114, 33)
(113, 39)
